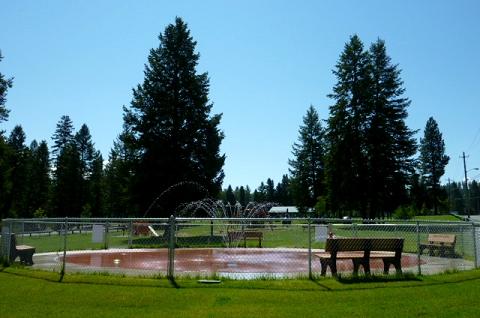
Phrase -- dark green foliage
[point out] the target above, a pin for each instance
(5, 84)
(242, 197)
(369, 146)
(68, 185)
(39, 177)
(170, 125)
(230, 197)
(270, 190)
(307, 167)
(433, 159)
(63, 135)
(96, 186)
(282, 192)
(83, 139)
(18, 200)
(118, 178)
(6, 155)
(346, 168)
(474, 197)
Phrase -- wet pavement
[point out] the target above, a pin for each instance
(232, 262)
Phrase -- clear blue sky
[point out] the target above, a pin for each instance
(267, 62)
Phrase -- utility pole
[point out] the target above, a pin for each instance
(467, 193)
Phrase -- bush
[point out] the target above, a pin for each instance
(404, 213)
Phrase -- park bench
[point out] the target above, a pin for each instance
(245, 235)
(25, 252)
(361, 251)
(441, 243)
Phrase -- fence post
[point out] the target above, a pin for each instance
(130, 233)
(65, 229)
(106, 235)
(475, 247)
(309, 248)
(418, 249)
(171, 248)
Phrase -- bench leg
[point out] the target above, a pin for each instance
(323, 267)
(396, 263)
(356, 266)
(324, 263)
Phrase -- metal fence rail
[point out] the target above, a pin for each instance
(232, 247)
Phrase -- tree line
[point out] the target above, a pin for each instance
(359, 162)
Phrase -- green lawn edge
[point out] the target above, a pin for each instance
(316, 283)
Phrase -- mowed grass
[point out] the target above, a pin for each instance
(453, 295)
(443, 217)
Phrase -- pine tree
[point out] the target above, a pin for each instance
(96, 186)
(242, 198)
(230, 197)
(5, 150)
(85, 148)
(118, 178)
(39, 179)
(369, 146)
(433, 159)
(5, 84)
(345, 160)
(169, 118)
(270, 190)
(389, 142)
(282, 192)
(19, 173)
(307, 167)
(63, 135)
(68, 182)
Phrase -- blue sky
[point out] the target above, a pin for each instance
(267, 62)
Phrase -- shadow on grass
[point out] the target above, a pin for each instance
(377, 278)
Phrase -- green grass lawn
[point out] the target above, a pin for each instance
(445, 217)
(27, 293)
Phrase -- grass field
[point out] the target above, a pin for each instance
(27, 293)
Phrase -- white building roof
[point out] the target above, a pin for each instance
(283, 209)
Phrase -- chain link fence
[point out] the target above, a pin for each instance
(235, 248)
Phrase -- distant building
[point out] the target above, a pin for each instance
(283, 212)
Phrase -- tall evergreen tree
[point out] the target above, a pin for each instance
(39, 179)
(5, 150)
(433, 159)
(369, 145)
(19, 173)
(68, 183)
(345, 160)
(307, 167)
(85, 148)
(5, 84)
(270, 190)
(389, 142)
(282, 192)
(118, 178)
(63, 135)
(242, 198)
(230, 196)
(169, 118)
(96, 186)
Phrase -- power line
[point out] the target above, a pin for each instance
(474, 141)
